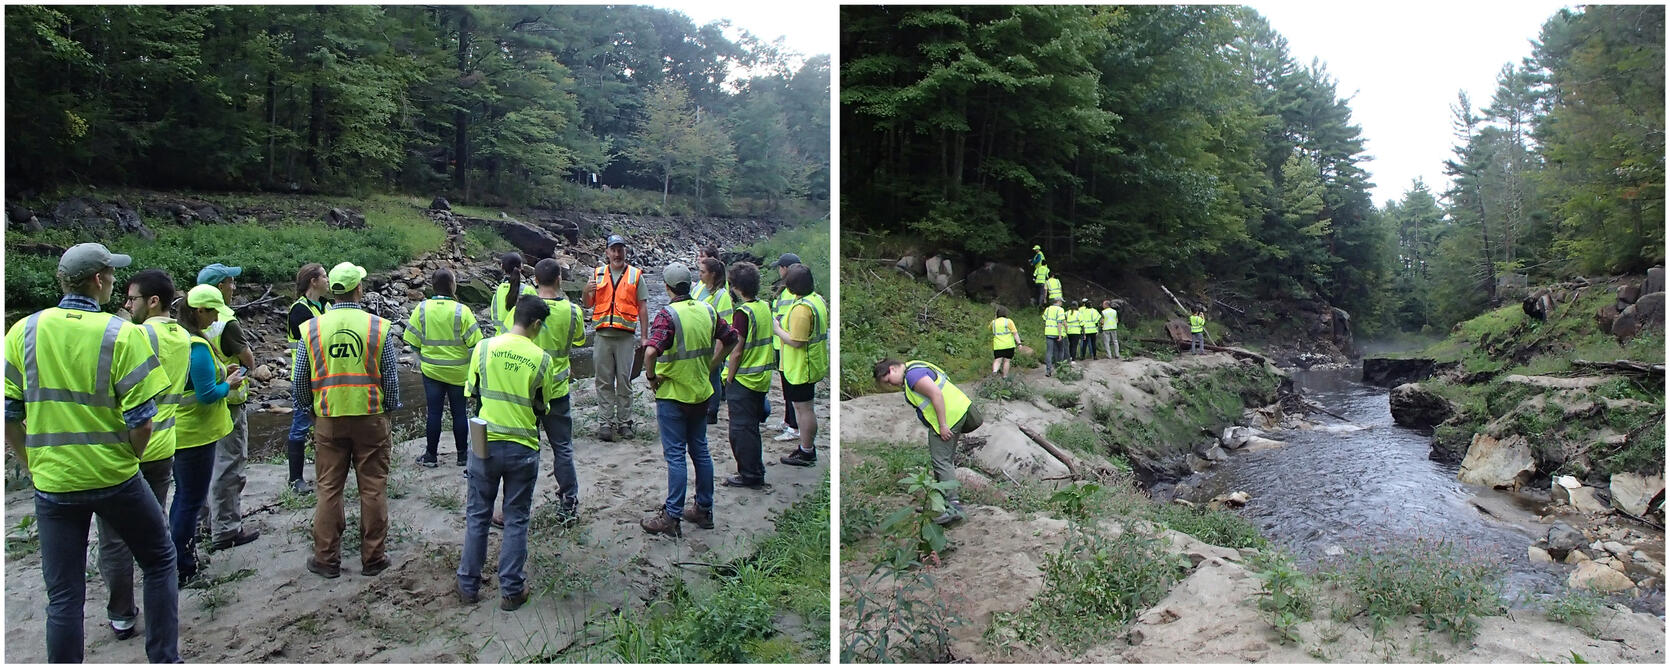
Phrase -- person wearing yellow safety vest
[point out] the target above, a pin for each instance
(230, 344)
(1055, 336)
(1005, 337)
(713, 292)
(81, 398)
(1041, 276)
(443, 331)
(1110, 329)
(804, 331)
(150, 293)
(1053, 287)
(505, 294)
(748, 373)
(944, 409)
(687, 339)
(345, 374)
(564, 329)
(1091, 320)
(1037, 255)
(513, 380)
(617, 296)
(1197, 331)
(201, 421)
(311, 300)
(779, 309)
(1075, 330)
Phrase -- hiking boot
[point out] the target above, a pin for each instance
(713, 420)
(606, 433)
(703, 518)
(513, 602)
(123, 634)
(301, 487)
(465, 597)
(375, 568)
(625, 431)
(661, 523)
(243, 536)
(327, 571)
(800, 458)
(429, 461)
(789, 434)
(953, 514)
(739, 481)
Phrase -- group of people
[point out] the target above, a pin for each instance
(109, 413)
(1070, 331)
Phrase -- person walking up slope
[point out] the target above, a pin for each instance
(1055, 335)
(1005, 337)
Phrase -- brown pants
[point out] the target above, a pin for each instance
(363, 442)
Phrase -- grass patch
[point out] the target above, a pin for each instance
(23, 539)
(1011, 389)
(448, 500)
(1219, 528)
(1076, 436)
(1062, 399)
(1289, 594)
(1435, 580)
(1577, 607)
(1093, 587)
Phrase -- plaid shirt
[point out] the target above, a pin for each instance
(301, 377)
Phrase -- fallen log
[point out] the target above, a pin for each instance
(1180, 308)
(265, 298)
(1626, 366)
(1071, 462)
(1323, 409)
(1238, 352)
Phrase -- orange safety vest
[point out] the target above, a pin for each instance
(616, 306)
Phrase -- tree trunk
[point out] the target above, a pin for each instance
(272, 122)
(461, 118)
(315, 124)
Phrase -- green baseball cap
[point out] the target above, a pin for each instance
(204, 295)
(345, 277)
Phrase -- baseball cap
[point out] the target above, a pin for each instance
(788, 259)
(345, 277)
(1036, 247)
(206, 295)
(616, 239)
(675, 274)
(217, 273)
(84, 260)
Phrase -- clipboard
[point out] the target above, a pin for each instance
(478, 437)
(637, 363)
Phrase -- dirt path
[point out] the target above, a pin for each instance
(271, 609)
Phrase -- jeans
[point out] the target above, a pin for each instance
(684, 431)
(295, 448)
(437, 396)
(115, 560)
(1073, 346)
(1088, 346)
(226, 486)
(193, 467)
(517, 467)
(718, 398)
(942, 453)
(1052, 352)
(1197, 342)
(747, 413)
(131, 510)
(558, 422)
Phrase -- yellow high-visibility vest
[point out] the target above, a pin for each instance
(684, 368)
(345, 351)
(956, 402)
(444, 332)
(512, 376)
(1003, 334)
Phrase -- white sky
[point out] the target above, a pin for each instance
(1404, 62)
(807, 27)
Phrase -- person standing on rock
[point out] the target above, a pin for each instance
(443, 331)
(1005, 337)
(563, 329)
(716, 294)
(687, 339)
(944, 409)
(504, 296)
(779, 309)
(1041, 276)
(1197, 332)
(1055, 332)
(1037, 256)
(312, 298)
(617, 295)
(345, 374)
(804, 331)
(748, 374)
(512, 379)
(231, 345)
(1110, 329)
(150, 293)
(201, 422)
(81, 397)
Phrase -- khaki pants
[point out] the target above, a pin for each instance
(361, 442)
(612, 357)
(226, 487)
(943, 453)
(1110, 343)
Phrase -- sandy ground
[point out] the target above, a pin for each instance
(277, 611)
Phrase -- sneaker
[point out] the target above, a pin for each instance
(739, 481)
(123, 634)
(375, 568)
(703, 518)
(800, 458)
(428, 461)
(513, 602)
(327, 571)
(953, 513)
(789, 434)
(465, 597)
(606, 433)
(301, 487)
(243, 536)
(661, 523)
(463, 460)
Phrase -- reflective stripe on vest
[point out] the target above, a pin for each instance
(508, 377)
(496, 310)
(757, 363)
(809, 363)
(684, 368)
(1003, 334)
(197, 424)
(345, 348)
(1054, 321)
(1110, 319)
(719, 299)
(240, 394)
(1041, 273)
(1197, 324)
(608, 308)
(956, 402)
(310, 307)
(172, 345)
(443, 358)
(1054, 288)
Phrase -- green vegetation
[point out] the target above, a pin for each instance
(23, 539)
(1219, 528)
(809, 239)
(1439, 581)
(1577, 607)
(1289, 594)
(1093, 587)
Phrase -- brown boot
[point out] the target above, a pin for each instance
(661, 523)
(606, 433)
(703, 518)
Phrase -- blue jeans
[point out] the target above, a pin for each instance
(559, 429)
(517, 467)
(192, 469)
(684, 430)
(131, 509)
(718, 399)
(437, 395)
(301, 422)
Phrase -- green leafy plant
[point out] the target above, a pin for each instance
(1288, 597)
(913, 527)
(1075, 501)
(1432, 579)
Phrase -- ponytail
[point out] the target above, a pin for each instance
(511, 263)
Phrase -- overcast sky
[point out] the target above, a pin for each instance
(1404, 62)
(807, 27)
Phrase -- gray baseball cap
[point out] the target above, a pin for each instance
(675, 274)
(788, 259)
(616, 239)
(84, 260)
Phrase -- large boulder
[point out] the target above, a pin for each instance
(1004, 284)
(1392, 372)
(1563, 539)
(1598, 577)
(1634, 493)
(912, 265)
(440, 204)
(1649, 311)
(1629, 293)
(1504, 463)
(1605, 316)
(1414, 406)
(348, 219)
(93, 216)
(531, 240)
(1654, 282)
(1539, 304)
(1588, 500)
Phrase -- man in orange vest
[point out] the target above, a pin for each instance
(617, 296)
